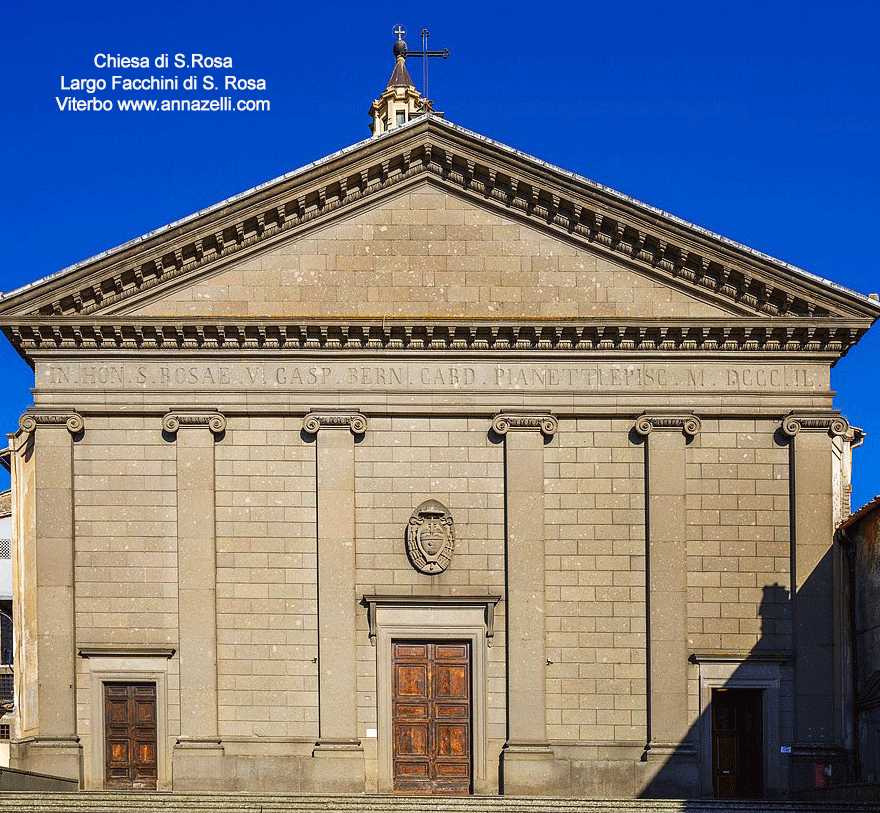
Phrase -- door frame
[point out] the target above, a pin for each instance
(739, 734)
(431, 623)
(119, 669)
(718, 671)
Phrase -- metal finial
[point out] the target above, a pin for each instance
(424, 54)
(399, 30)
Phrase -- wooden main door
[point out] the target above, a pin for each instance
(737, 743)
(431, 717)
(130, 739)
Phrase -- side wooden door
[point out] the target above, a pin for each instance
(431, 717)
(130, 735)
(737, 743)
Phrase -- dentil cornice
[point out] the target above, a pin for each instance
(426, 334)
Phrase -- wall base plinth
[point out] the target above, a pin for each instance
(532, 770)
(337, 766)
(60, 757)
(672, 771)
(198, 765)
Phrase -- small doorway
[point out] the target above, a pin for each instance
(130, 735)
(431, 717)
(737, 743)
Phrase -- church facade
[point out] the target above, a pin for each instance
(432, 467)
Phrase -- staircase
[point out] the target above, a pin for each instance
(150, 802)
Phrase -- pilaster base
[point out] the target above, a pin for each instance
(672, 770)
(337, 766)
(60, 757)
(198, 764)
(531, 769)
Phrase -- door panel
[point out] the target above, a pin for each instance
(130, 735)
(431, 709)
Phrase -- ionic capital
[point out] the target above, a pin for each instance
(832, 423)
(210, 418)
(687, 424)
(516, 422)
(314, 422)
(49, 417)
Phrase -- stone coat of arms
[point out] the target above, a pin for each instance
(430, 538)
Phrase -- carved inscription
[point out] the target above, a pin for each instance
(425, 377)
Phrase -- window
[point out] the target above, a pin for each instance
(400, 118)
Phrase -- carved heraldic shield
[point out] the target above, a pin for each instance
(430, 539)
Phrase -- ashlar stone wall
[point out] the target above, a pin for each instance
(266, 587)
(596, 583)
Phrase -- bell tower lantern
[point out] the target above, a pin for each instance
(400, 101)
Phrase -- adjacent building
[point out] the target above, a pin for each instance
(432, 467)
(6, 673)
(859, 536)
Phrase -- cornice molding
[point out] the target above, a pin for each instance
(315, 421)
(833, 423)
(524, 422)
(740, 656)
(179, 419)
(660, 422)
(371, 602)
(31, 419)
(548, 198)
(352, 333)
(125, 651)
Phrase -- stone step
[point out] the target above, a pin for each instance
(148, 802)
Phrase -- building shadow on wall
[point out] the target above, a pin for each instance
(741, 745)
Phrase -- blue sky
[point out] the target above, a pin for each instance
(757, 120)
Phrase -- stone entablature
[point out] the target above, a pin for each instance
(470, 375)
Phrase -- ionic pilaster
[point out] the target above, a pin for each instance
(519, 422)
(314, 422)
(45, 574)
(337, 603)
(174, 421)
(527, 756)
(818, 632)
(666, 572)
(832, 424)
(31, 419)
(197, 575)
(685, 424)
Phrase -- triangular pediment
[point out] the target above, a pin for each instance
(473, 229)
(425, 250)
